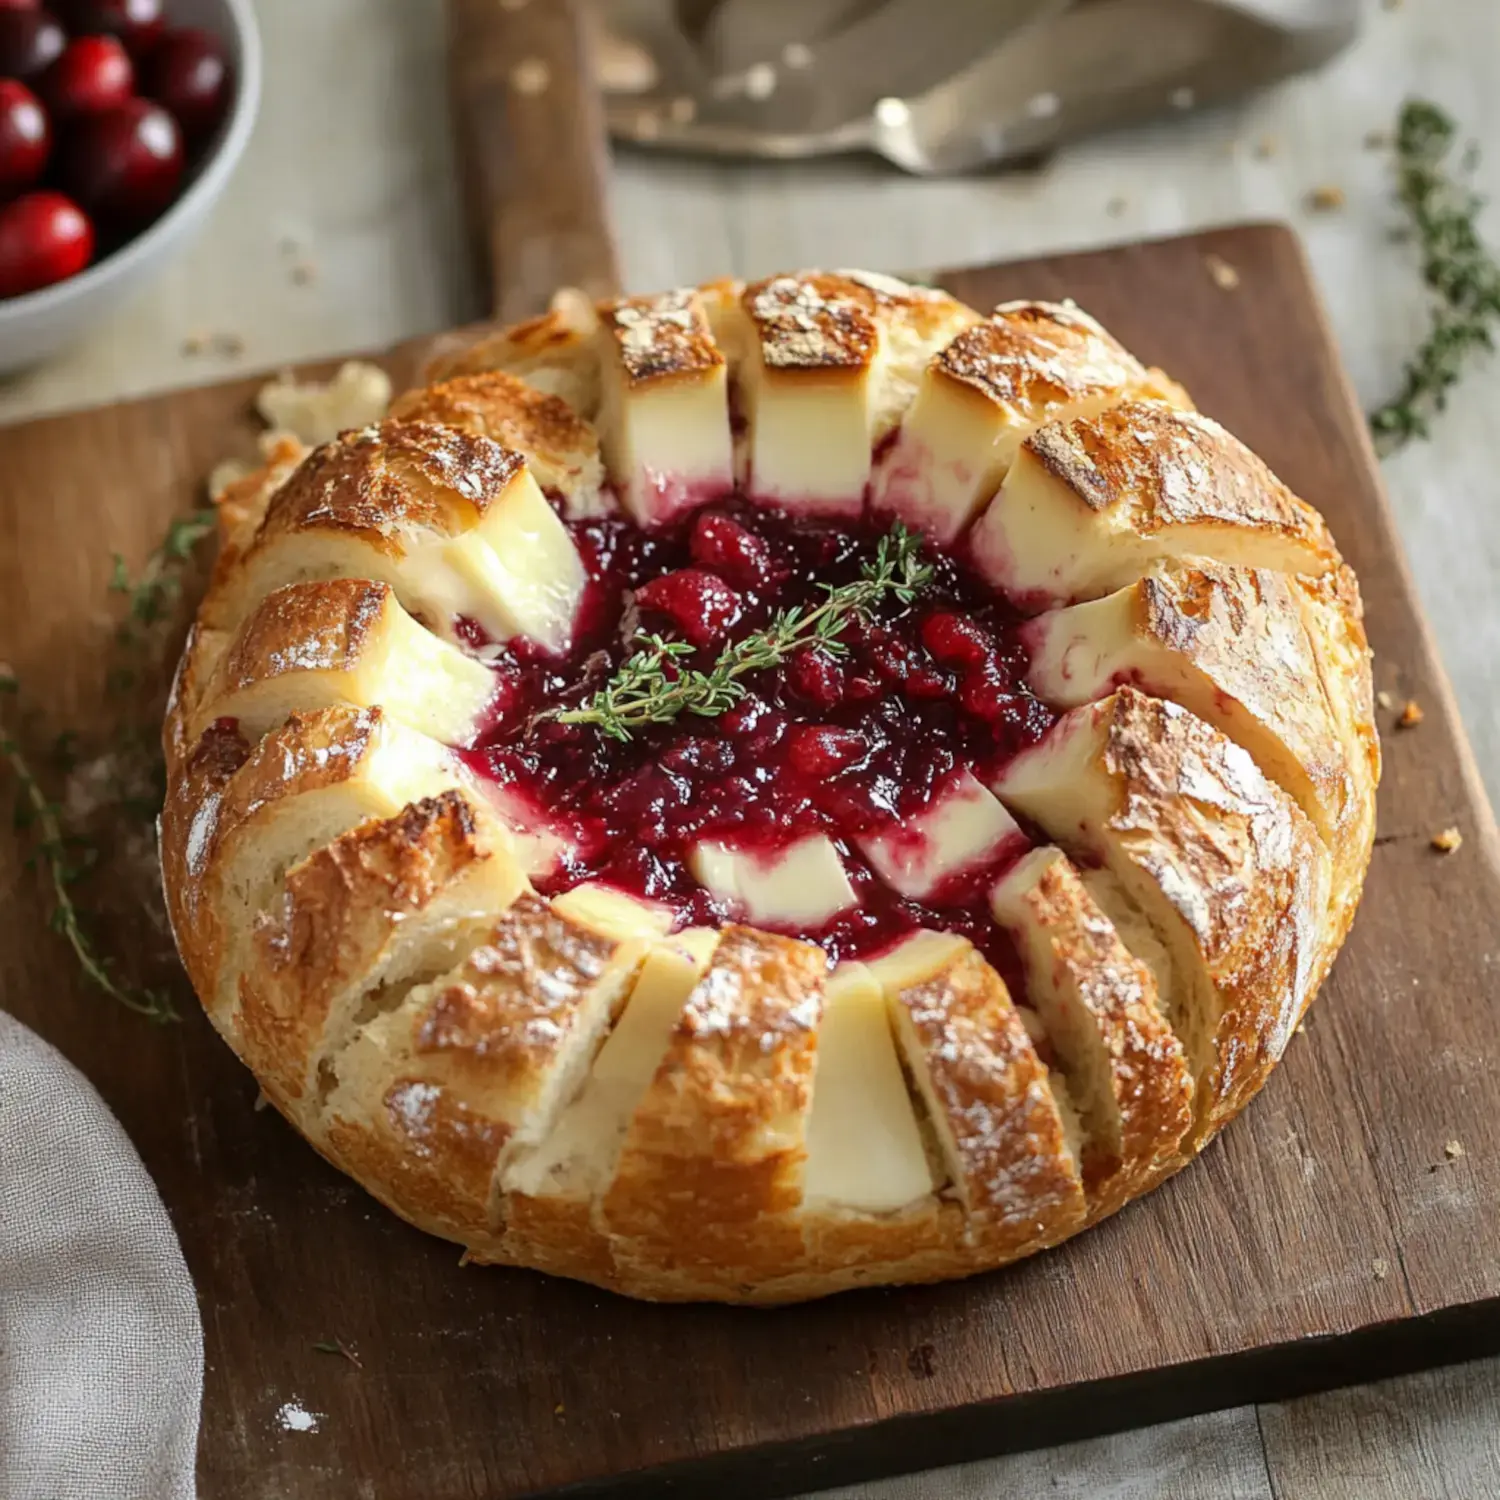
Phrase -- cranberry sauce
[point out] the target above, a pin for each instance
(835, 744)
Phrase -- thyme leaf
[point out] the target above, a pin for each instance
(1461, 274)
(655, 686)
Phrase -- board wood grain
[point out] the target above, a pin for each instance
(1328, 1237)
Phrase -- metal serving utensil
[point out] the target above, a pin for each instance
(942, 86)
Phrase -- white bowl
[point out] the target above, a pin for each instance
(41, 323)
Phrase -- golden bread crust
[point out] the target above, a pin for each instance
(558, 1085)
(1038, 358)
(1162, 466)
(1075, 959)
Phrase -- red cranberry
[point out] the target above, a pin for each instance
(25, 137)
(701, 606)
(862, 688)
(20, 4)
(30, 42)
(189, 73)
(137, 23)
(126, 164)
(955, 640)
(927, 683)
(815, 676)
(818, 750)
(742, 719)
(43, 238)
(892, 660)
(986, 695)
(93, 75)
(725, 547)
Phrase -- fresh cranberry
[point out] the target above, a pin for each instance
(125, 164)
(30, 42)
(725, 547)
(818, 750)
(189, 73)
(700, 605)
(43, 238)
(137, 23)
(955, 640)
(815, 676)
(93, 75)
(861, 689)
(25, 137)
(20, 4)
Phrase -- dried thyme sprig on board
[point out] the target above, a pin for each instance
(1459, 270)
(66, 859)
(650, 688)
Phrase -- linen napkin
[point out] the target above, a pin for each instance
(101, 1347)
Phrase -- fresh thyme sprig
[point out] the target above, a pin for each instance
(1461, 273)
(652, 687)
(153, 593)
(67, 859)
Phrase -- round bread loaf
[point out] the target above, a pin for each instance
(771, 788)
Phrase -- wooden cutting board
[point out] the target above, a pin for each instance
(1328, 1237)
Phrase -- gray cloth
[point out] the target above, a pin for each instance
(101, 1348)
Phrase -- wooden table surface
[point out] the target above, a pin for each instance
(348, 237)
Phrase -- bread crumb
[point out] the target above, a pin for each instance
(226, 473)
(1381, 1268)
(797, 55)
(1224, 274)
(1411, 714)
(294, 1417)
(1448, 841)
(261, 1101)
(1453, 1150)
(1384, 699)
(1326, 198)
(530, 76)
(760, 81)
(1265, 148)
(316, 411)
(559, 1409)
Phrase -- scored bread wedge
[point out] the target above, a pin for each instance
(556, 352)
(709, 1183)
(344, 641)
(826, 362)
(664, 406)
(1231, 645)
(979, 398)
(240, 815)
(1098, 1003)
(562, 450)
(452, 521)
(1088, 505)
(390, 902)
(552, 1189)
(1223, 865)
(434, 1096)
(1003, 1121)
